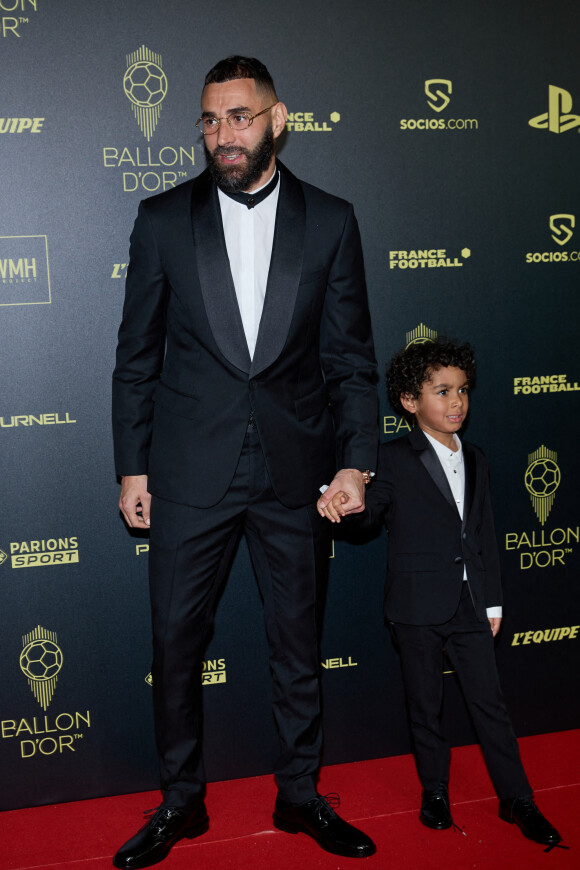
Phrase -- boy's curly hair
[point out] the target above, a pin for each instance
(411, 367)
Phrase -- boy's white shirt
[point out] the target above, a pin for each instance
(454, 468)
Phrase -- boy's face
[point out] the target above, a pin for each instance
(442, 404)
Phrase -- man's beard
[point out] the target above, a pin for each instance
(232, 179)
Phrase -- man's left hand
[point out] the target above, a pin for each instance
(349, 481)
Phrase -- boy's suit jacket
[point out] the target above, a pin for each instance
(429, 544)
(184, 383)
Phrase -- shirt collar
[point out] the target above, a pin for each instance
(444, 453)
(254, 197)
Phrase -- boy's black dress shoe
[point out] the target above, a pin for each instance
(529, 819)
(154, 841)
(317, 819)
(435, 812)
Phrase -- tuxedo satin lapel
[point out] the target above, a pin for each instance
(284, 274)
(215, 277)
(470, 480)
(431, 462)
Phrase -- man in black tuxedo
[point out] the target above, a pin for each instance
(245, 375)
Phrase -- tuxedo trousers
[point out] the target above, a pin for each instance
(189, 558)
(470, 647)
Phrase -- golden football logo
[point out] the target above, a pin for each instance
(41, 661)
(542, 479)
(3, 557)
(420, 335)
(145, 86)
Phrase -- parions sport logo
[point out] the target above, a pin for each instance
(561, 228)
(42, 553)
(438, 93)
(12, 25)
(544, 548)
(147, 169)
(24, 270)
(213, 673)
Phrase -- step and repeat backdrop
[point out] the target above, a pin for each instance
(454, 128)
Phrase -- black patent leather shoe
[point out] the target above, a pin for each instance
(317, 819)
(525, 814)
(435, 812)
(154, 841)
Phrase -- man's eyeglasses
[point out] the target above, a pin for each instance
(237, 121)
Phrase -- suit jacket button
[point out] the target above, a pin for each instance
(458, 560)
(464, 535)
(253, 385)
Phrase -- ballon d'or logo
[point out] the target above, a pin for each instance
(41, 661)
(542, 479)
(145, 86)
(420, 335)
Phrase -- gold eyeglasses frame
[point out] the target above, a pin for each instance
(228, 119)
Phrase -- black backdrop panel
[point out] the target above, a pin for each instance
(420, 114)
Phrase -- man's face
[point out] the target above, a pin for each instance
(241, 159)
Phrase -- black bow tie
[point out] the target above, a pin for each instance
(252, 199)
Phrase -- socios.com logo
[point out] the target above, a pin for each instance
(438, 93)
(558, 118)
(561, 226)
(438, 99)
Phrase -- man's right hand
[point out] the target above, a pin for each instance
(135, 501)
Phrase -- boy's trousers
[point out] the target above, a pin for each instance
(469, 645)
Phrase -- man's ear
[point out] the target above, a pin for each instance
(408, 402)
(279, 114)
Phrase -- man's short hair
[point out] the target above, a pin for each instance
(411, 367)
(238, 67)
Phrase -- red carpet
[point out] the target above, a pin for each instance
(381, 796)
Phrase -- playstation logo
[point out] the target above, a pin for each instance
(557, 119)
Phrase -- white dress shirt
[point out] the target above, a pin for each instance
(249, 234)
(454, 468)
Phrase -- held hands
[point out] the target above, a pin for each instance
(135, 501)
(345, 495)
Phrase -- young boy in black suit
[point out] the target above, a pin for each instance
(443, 584)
